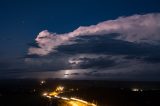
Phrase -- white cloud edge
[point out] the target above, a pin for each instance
(135, 28)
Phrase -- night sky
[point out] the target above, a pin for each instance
(80, 39)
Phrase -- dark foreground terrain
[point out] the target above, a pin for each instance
(29, 92)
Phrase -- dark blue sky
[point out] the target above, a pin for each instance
(22, 20)
(24, 17)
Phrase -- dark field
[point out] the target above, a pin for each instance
(102, 93)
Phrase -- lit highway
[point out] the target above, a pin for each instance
(65, 101)
(73, 102)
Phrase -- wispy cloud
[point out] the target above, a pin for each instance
(136, 28)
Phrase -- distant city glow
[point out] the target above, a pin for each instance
(136, 89)
(42, 82)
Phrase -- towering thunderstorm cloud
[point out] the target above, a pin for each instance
(136, 28)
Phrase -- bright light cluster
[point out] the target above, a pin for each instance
(59, 88)
(73, 101)
(45, 94)
(136, 89)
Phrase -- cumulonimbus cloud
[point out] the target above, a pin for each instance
(136, 28)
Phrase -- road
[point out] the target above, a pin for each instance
(64, 101)
(72, 102)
